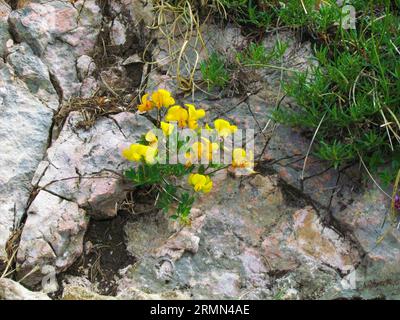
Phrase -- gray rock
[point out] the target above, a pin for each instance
(231, 250)
(61, 61)
(72, 292)
(59, 33)
(80, 288)
(30, 69)
(86, 67)
(135, 11)
(52, 235)
(89, 87)
(5, 36)
(223, 40)
(117, 33)
(74, 176)
(79, 160)
(367, 222)
(11, 290)
(25, 122)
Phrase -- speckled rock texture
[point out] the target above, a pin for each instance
(293, 230)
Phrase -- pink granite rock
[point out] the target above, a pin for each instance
(52, 235)
(82, 163)
(368, 223)
(305, 238)
(59, 33)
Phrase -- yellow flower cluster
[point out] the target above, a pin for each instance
(242, 160)
(160, 98)
(200, 182)
(201, 151)
(186, 117)
(138, 152)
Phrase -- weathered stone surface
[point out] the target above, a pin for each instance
(86, 67)
(25, 122)
(239, 233)
(52, 235)
(245, 241)
(89, 87)
(60, 60)
(135, 11)
(30, 69)
(117, 33)
(368, 223)
(59, 33)
(5, 36)
(79, 160)
(72, 292)
(304, 239)
(11, 290)
(28, 98)
(224, 40)
(127, 291)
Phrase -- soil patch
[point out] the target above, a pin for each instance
(105, 251)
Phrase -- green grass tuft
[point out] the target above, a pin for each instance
(214, 71)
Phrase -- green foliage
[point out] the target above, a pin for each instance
(334, 152)
(169, 194)
(258, 56)
(297, 14)
(184, 206)
(353, 90)
(259, 14)
(351, 95)
(149, 174)
(214, 71)
(310, 14)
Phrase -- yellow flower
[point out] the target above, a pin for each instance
(224, 128)
(201, 151)
(194, 115)
(138, 152)
(162, 98)
(151, 138)
(150, 154)
(241, 160)
(133, 153)
(200, 182)
(178, 114)
(185, 117)
(146, 105)
(167, 128)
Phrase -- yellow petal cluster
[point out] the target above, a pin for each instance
(146, 105)
(179, 115)
(200, 182)
(224, 128)
(167, 128)
(151, 138)
(242, 160)
(138, 152)
(194, 115)
(185, 117)
(201, 151)
(160, 98)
